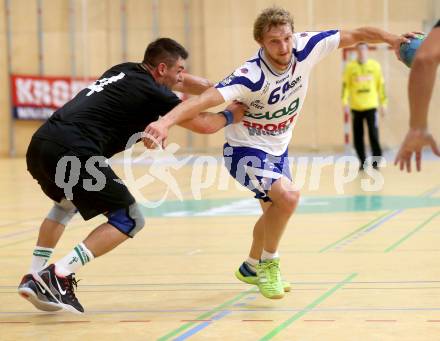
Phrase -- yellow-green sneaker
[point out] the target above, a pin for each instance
(270, 282)
(247, 275)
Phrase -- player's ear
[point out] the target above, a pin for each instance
(162, 69)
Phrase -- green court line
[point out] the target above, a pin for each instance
(354, 232)
(410, 234)
(205, 315)
(308, 308)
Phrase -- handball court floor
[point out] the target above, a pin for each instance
(363, 265)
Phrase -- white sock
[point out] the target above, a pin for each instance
(79, 256)
(267, 255)
(252, 262)
(40, 257)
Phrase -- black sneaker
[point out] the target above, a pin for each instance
(31, 290)
(60, 288)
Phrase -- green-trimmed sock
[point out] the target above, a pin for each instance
(79, 256)
(40, 257)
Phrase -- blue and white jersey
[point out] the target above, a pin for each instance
(274, 99)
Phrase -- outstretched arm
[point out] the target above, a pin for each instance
(193, 85)
(184, 111)
(367, 35)
(373, 35)
(210, 123)
(422, 79)
(420, 86)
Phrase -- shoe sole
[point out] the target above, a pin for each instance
(272, 297)
(275, 297)
(253, 281)
(65, 307)
(30, 295)
(248, 280)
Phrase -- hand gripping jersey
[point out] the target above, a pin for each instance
(274, 99)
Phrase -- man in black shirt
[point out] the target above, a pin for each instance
(420, 87)
(74, 145)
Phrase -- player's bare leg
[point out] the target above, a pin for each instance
(284, 202)
(258, 234)
(50, 233)
(274, 220)
(104, 239)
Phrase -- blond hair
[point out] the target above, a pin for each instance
(270, 17)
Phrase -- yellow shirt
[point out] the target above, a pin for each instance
(363, 85)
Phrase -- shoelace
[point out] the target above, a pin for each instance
(69, 282)
(268, 269)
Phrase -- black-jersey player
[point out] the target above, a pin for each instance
(67, 157)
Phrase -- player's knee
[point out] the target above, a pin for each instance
(289, 201)
(62, 212)
(128, 220)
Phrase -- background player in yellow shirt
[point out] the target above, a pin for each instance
(363, 92)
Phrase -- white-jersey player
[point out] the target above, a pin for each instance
(273, 85)
(274, 97)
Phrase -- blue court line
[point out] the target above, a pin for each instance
(201, 326)
(359, 232)
(367, 230)
(431, 192)
(411, 233)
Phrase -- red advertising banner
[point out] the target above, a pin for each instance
(36, 98)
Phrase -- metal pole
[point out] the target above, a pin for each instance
(187, 35)
(346, 112)
(72, 36)
(155, 15)
(40, 37)
(124, 30)
(85, 43)
(12, 150)
(386, 28)
(310, 12)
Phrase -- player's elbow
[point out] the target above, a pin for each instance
(206, 124)
(211, 128)
(427, 58)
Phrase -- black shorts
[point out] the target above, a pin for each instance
(42, 158)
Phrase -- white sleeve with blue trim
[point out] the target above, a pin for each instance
(245, 80)
(314, 46)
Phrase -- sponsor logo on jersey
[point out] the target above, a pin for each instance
(257, 104)
(364, 78)
(289, 110)
(266, 88)
(304, 34)
(295, 82)
(244, 70)
(282, 79)
(261, 132)
(272, 129)
(228, 79)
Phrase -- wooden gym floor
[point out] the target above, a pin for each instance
(363, 265)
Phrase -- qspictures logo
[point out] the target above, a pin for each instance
(205, 172)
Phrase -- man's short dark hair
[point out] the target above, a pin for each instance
(164, 50)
